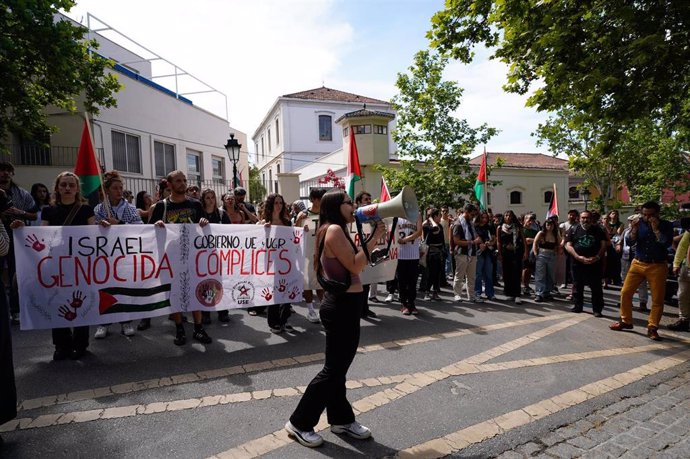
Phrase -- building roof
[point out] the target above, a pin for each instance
(324, 93)
(522, 161)
(364, 113)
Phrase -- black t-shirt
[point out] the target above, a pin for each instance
(217, 216)
(586, 242)
(433, 234)
(188, 211)
(57, 214)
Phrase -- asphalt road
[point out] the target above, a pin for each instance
(460, 379)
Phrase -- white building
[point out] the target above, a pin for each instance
(301, 127)
(153, 130)
(526, 182)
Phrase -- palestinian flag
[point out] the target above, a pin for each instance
(480, 184)
(87, 168)
(113, 300)
(354, 172)
(553, 205)
(385, 195)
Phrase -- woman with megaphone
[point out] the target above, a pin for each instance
(338, 263)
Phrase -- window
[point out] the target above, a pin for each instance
(193, 168)
(515, 197)
(218, 172)
(263, 179)
(325, 132)
(380, 129)
(263, 153)
(164, 154)
(346, 131)
(573, 193)
(488, 199)
(277, 133)
(270, 181)
(547, 196)
(277, 169)
(126, 152)
(362, 129)
(269, 139)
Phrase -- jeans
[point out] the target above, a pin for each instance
(485, 270)
(340, 317)
(655, 275)
(544, 273)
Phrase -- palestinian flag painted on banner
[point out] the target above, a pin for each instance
(113, 300)
(354, 172)
(87, 168)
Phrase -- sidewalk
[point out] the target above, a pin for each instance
(655, 424)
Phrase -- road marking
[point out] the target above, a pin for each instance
(137, 386)
(477, 433)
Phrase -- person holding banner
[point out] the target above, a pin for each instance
(214, 215)
(115, 210)
(178, 208)
(230, 208)
(340, 315)
(68, 210)
(309, 218)
(275, 213)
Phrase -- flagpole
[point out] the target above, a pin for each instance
(106, 201)
(486, 187)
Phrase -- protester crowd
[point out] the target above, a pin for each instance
(471, 253)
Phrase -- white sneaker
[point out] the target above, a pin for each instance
(518, 300)
(354, 430)
(313, 316)
(101, 332)
(309, 439)
(427, 297)
(127, 329)
(457, 298)
(388, 299)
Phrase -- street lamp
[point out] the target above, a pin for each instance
(585, 196)
(233, 149)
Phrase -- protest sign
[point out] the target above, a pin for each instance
(86, 275)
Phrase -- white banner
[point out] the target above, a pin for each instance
(382, 272)
(86, 275)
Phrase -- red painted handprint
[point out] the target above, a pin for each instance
(296, 237)
(282, 285)
(67, 313)
(293, 293)
(77, 299)
(266, 293)
(34, 243)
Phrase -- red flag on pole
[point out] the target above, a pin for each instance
(354, 173)
(385, 195)
(87, 168)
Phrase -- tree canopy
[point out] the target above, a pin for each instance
(428, 134)
(45, 62)
(605, 59)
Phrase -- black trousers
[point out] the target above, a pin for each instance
(435, 265)
(71, 338)
(407, 280)
(340, 315)
(278, 315)
(8, 391)
(512, 272)
(588, 275)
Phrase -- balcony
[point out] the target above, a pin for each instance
(36, 155)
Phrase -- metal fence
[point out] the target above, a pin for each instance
(36, 155)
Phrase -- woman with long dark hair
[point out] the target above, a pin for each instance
(230, 207)
(41, 197)
(144, 203)
(512, 252)
(276, 213)
(545, 248)
(340, 316)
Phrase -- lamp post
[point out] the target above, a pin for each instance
(585, 196)
(233, 149)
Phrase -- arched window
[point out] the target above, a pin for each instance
(515, 197)
(547, 196)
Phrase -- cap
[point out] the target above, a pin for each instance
(240, 191)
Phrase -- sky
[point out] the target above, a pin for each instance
(255, 51)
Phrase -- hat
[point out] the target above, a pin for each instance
(240, 191)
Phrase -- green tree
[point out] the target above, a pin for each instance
(609, 60)
(646, 157)
(257, 192)
(44, 62)
(434, 145)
